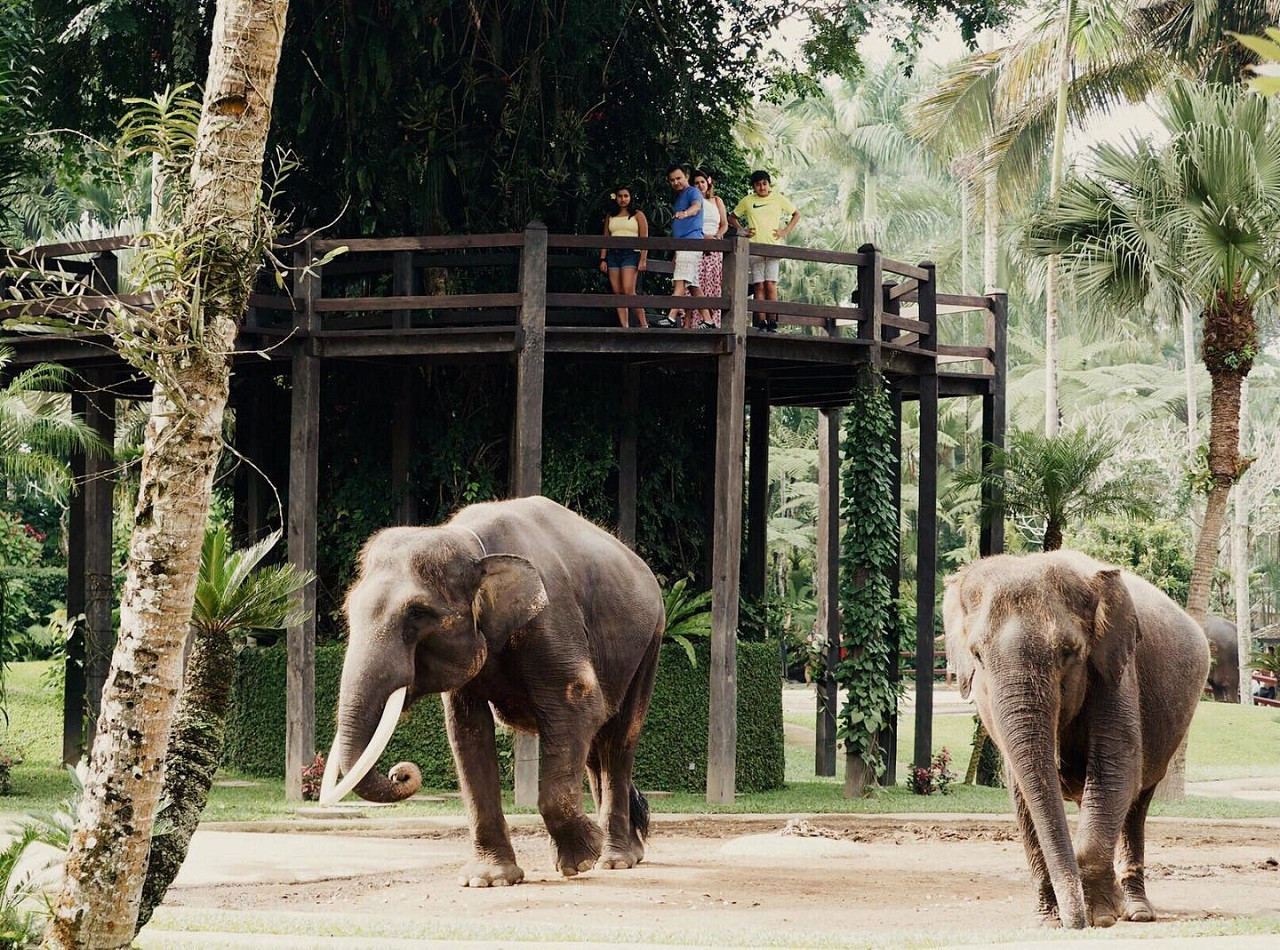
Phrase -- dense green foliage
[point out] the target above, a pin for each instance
(1155, 550)
(868, 551)
(675, 733)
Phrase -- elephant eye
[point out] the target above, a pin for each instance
(421, 612)
(976, 655)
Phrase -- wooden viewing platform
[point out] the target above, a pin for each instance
(530, 314)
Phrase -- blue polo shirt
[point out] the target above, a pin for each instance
(690, 227)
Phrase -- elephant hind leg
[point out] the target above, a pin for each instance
(1132, 861)
(624, 812)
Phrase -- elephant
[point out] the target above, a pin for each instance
(530, 610)
(1086, 677)
(1224, 670)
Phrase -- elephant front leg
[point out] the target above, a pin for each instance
(576, 838)
(1109, 786)
(470, 725)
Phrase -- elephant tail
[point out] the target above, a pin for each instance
(639, 813)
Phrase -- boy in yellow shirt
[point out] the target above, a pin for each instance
(760, 214)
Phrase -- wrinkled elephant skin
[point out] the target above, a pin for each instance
(1224, 652)
(523, 608)
(1087, 678)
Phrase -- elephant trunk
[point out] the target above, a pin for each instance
(1029, 725)
(358, 744)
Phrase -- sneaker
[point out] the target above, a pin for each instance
(704, 325)
(663, 322)
(770, 328)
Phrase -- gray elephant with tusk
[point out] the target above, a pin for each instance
(524, 608)
(1086, 677)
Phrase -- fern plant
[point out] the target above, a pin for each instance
(688, 615)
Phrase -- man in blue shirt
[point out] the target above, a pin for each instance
(686, 222)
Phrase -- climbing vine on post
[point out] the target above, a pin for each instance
(868, 552)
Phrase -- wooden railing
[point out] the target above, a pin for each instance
(378, 287)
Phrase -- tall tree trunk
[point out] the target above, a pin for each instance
(990, 201)
(1240, 561)
(1051, 291)
(1189, 379)
(107, 860)
(195, 749)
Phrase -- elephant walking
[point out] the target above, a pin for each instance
(1086, 677)
(1224, 667)
(524, 608)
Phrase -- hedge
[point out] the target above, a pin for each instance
(673, 748)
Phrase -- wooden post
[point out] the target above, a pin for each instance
(870, 282)
(726, 536)
(405, 415)
(526, 445)
(628, 481)
(90, 587)
(991, 532)
(304, 471)
(249, 518)
(827, 573)
(927, 521)
(889, 734)
(758, 495)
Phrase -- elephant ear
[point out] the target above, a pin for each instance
(958, 654)
(1115, 627)
(510, 595)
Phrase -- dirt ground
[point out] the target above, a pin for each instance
(728, 879)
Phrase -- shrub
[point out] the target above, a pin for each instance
(1158, 551)
(936, 778)
(673, 747)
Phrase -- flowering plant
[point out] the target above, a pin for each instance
(312, 776)
(936, 778)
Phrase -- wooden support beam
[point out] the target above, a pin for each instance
(304, 471)
(889, 734)
(90, 588)
(991, 532)
(628, 480)
(526, 443)
(758, 495)
(871, 300)
(726, 535)
(827, 573)
(927, 537)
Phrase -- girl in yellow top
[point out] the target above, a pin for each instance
(622, 264)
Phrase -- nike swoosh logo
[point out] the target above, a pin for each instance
(759, 206)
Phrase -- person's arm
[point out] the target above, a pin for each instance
(724, 217)
(689, 212)
(642, 225)
(795, 216)
(604, 266)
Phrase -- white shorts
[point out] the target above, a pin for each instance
(687, 267)
(763, 268)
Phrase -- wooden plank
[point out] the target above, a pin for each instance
(794, 308)
(870, 297)
(612, 301)
(526, 442)
(991, 525)
(970, 301)
(827, 570)
(904, 270)
(597, 241)
(904, 288)
(73, 691)
(460, 341)
(927, 528)
(788, 253)
(451, 301)
(758, 495)
(71, 248)
(968, 352)
(402, 275)
(304, 478)
(628, 480)
(902, 323)
(444, 242)
(726, 537)
(99, 590)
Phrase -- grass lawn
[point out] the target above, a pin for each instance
(1227, 742)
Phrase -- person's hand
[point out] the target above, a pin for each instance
(779, 233)
(604, 266)
(751, 232)
(643, 265)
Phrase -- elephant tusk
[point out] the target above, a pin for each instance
(387, 725)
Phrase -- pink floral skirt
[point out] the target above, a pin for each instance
(710, 279)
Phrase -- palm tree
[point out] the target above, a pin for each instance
(38, 431)
(1012, 106)
(1060, 480)
(1202, 34)
(1200, 213)
(234, 594)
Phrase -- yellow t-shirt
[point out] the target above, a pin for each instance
(766, 215)
(622, 225)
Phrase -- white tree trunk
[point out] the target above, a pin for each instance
(1189, 378)
(1056, 168)
(990, 200)
(107, 861)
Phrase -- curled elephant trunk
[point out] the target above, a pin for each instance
(1031, 757)
(403, 781)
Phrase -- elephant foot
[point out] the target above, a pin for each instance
(617, 859)
(1103, 901)
(490, 874)
(1139, 910)
(577, 846)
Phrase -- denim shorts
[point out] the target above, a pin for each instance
(619, 258)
